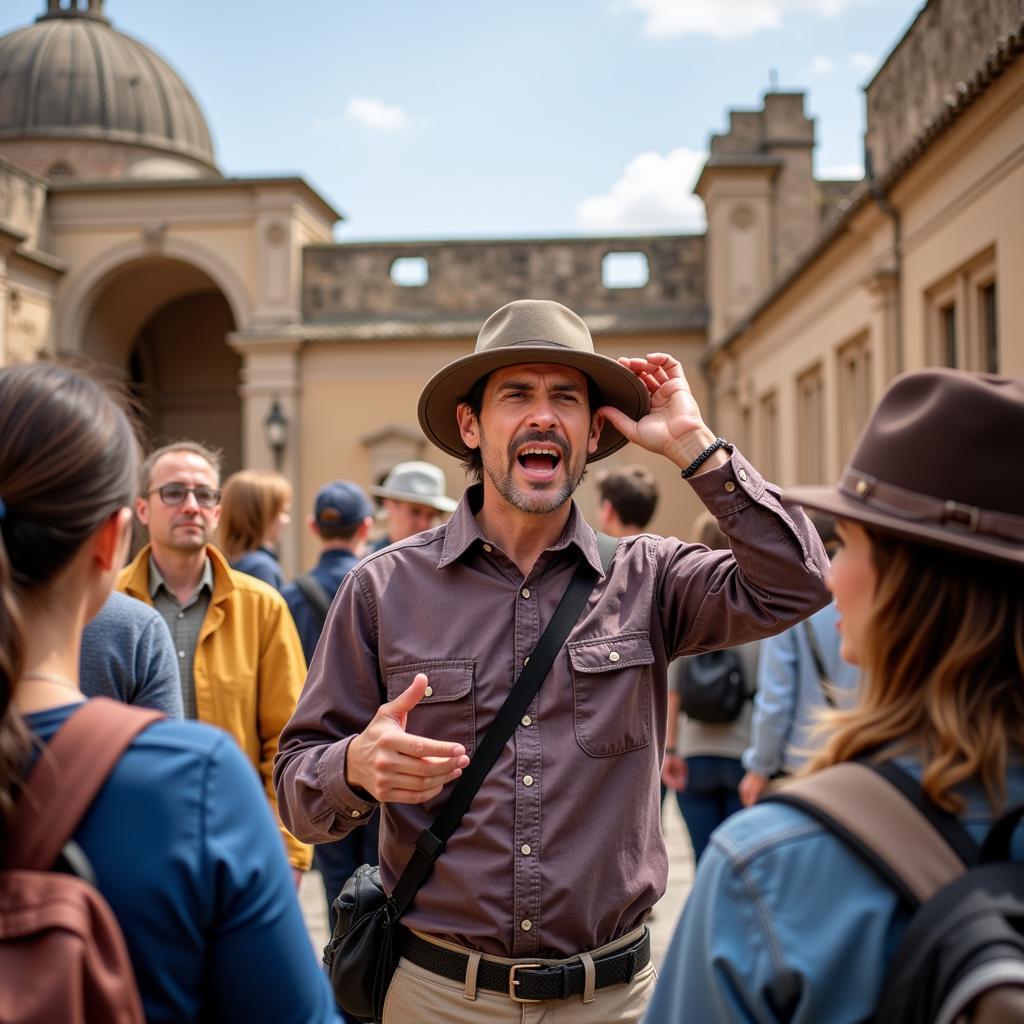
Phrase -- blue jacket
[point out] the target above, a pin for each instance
(189, 858)
(261, 563)
(786, 923)
(332, 568)
(789, 693)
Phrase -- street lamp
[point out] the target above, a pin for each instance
(275, 430)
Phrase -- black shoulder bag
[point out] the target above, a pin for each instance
(316, 597)
(363, 953)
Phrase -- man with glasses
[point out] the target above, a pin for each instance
(239, 657)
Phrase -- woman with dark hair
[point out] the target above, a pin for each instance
(786, 922)
(254, 508)
(180, 839)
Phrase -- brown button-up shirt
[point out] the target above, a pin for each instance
(561, 850)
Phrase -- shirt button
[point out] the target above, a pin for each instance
(742, 474)
(527, 780)
(526, 925)
(428, 692)
(181, 654)
(526, 593)
(526, 661)
(355, 814)
(181, 615)
(614, 656)
(730, 486)
(526, 720)
(525, 849)
(488, 548)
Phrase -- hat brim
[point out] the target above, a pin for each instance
(951, 537)
(618, 386)
(441, 504)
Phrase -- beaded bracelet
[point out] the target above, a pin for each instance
(719, 442)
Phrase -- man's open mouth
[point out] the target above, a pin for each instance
(539, 461)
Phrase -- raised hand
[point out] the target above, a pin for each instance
(395, 766)
(674, 426)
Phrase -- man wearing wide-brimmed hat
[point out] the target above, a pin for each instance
(543, 890)
(413, 495)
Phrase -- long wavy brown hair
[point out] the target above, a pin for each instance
(942, 670)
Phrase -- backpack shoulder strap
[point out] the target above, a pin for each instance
(606, 547)
(879, 822)
(824, 682)
(70, 771)
(316, 596)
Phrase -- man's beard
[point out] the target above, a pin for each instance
(538, 500)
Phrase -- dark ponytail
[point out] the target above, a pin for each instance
(68, 461)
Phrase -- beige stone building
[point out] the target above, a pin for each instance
(228, 307)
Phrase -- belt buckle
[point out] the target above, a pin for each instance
(513, 982)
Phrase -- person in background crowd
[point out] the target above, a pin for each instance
(127, 654)
(341, 521)
(427, 636)
(240, 660)
(413, 498)
(800, 674)
(702, 759)
(179, 838)
(255, 507)
(785, 921)
(628, 496)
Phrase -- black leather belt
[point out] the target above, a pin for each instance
(531, 982)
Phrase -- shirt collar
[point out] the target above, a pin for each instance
(156, 579)
(463, 531)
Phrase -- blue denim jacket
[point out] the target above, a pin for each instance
(786, 923)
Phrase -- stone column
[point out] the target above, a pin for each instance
(884, 288)
(270, 373)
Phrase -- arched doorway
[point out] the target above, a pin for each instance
(163, 323)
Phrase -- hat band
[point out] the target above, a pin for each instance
(923, 508)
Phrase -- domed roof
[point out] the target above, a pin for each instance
(72, 76)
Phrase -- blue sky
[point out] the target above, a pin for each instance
(478, 118)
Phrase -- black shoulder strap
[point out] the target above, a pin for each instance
(819, 664)
(316, 596)
(432, 840)
(890, 831)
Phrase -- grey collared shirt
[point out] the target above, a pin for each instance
(185, 622)
(561, 850)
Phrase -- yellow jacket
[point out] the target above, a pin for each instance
(249, 667)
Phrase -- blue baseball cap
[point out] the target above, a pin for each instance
(341, 503)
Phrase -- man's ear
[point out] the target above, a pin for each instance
(142, 510)
(596, 426)
(109, 544)
(365, 527)
(469, 428)
(313, 527)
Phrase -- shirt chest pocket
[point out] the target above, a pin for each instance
(447, 710)
(611, 679)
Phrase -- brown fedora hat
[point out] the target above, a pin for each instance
(529, 331)
(937, 464)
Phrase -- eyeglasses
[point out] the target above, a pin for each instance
(175, 494)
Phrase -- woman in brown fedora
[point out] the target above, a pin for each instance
(786, 922)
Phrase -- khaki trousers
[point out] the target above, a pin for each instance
(418, 996)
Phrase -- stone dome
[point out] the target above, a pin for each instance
(72, 79)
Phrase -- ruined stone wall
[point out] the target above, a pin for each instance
(469, 277)
(948, 45)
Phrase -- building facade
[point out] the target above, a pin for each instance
(225, 302)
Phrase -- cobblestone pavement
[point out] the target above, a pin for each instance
(680, 875)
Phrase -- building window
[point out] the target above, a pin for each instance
(810, 388)
(625, 270)
(410, 272)
(855, 392)
(768, 436)
(990, 326)
(962, 317)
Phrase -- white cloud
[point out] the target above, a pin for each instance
(375, 113)
(821, 65)
(841, 172)
(728, 19)
(862, 62)
(655, 193)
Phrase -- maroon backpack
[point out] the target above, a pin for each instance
(62, 955)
